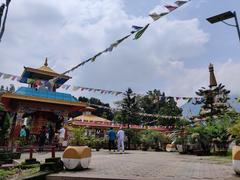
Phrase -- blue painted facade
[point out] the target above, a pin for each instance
(26, 91)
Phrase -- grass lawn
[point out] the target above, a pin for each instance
(221, 159)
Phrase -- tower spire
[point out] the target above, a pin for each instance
(46, 62)
(212, 80)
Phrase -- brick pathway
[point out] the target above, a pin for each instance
(150, 165)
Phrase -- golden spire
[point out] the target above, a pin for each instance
(213, 81)
(46, 63)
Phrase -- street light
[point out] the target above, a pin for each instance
(224, 16)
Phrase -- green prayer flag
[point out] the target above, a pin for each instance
(140, 32)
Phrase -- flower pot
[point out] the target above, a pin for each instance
(170, 148)
(236, 159)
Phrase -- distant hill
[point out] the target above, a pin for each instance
(190, 109)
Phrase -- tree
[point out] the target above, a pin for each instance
(5, 123)
(103, 110)
(129, 111)
(156, 102)
(214, 101)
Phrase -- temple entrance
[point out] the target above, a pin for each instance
(36, 120)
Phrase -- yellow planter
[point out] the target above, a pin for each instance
(76, 157)
(236, 159)
(171, 148)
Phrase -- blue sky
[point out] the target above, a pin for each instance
(172, 55)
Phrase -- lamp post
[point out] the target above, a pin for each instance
(224, 16)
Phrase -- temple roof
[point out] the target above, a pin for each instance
(46, 69)
(90, 117)
(38, 96)
(42, 73)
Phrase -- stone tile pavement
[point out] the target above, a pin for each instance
(148, 165)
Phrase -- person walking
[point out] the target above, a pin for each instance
(50, 134)
(61, 137)
(111, 139)
(23, 133)
(120, 137)
(42, 138)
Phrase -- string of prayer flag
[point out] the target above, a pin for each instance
(140, 32)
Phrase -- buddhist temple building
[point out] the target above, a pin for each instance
(39, 103)
(98, 126)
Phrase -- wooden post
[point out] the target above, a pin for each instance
(53, 152)
(31, 153)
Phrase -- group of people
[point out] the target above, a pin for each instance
(112, 136)
(46, 135)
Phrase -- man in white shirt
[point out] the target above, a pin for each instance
(61, 137)
(120, 137)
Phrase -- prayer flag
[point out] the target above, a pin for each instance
(115, 44)
(14, 77)
(30, 81)
(180, 3)
(63, 86)
(121, 40)
(117, 93)
(94, 57)
(156, 16)
(171, 8)
(67, 87)
(1, 74)
(75, 88)
(140, 32)
(6, 76)
(136, 28)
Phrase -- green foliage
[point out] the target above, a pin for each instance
(101, 112)
(213, 131)
(95, 142)
(129, 109)
(5, 174)
(182, 123)
(134, 136)
(235, 130)
(5, 130)
(156, 102)
(214, 101)
(79, 137)
(153, 138)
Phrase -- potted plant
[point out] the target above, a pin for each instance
(235, 131)
(79, 138)
(180, 145)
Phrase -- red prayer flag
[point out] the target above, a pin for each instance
(171, 8)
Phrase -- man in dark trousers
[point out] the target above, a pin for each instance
(111, 139)
(42, 138)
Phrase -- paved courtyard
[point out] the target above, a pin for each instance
(149, 165)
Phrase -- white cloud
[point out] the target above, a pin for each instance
(72, 31)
